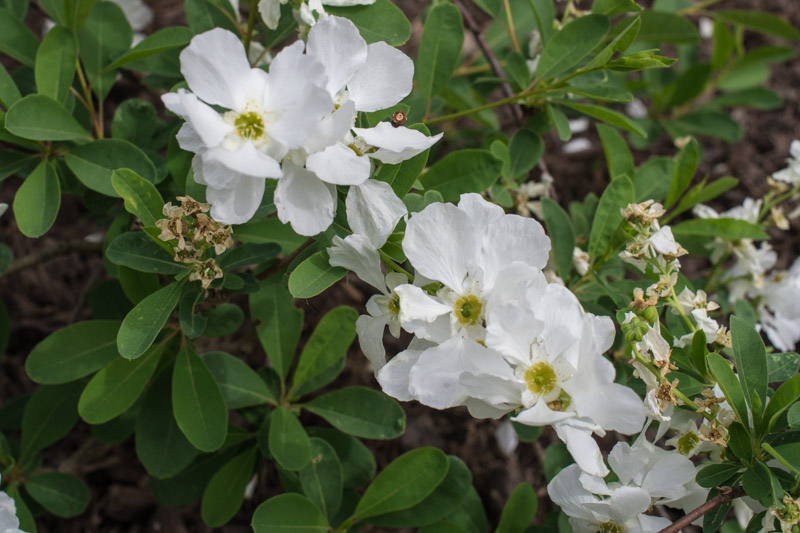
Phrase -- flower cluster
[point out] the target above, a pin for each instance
(646, 476)
(295, 124)
(191, 232)
(490, 332)
(9, 523)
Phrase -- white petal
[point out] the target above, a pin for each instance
(345, 3)
(247, 160)
(340, 165)
(416, 304)
(582, 447)
(626, 503)
(566, 491)
(207, 123)
(383, 80)
(433, 380)
(238, 204)
(188, 138)
(373, 210)
(510, 330)
(356, 253)
(541, 415)
(370, 336)
(512, 238)
(305, 202)
(216, 68)
(270, 11)
(394, 376)
(336, 43)
(395, 145)
(332, 129)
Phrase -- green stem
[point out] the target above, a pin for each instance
(492, 105)
(392, 265)
(778, 457)
(697, 7)
(251, 23)
(87, 96)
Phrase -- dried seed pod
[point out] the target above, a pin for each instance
(399, 118)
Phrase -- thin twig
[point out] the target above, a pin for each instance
(61, 248)
(487, 51)
(726, 494)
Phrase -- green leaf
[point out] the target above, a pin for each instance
(136, 250)
(240, 385)
(559, 121)
(611, 8)
(660, 26)
(403, 175)
(618, 156)
(626, 31)
(24, 513)
(439, 49)
(278, 323)
(562, 235)
(37, 201)
(358, 464)
(685, 167)
(739, 442)
(327, 345)
(761, 22)
(224, 494)
(519, 510)
(570, 45)
(73, 352)
(9, 92)
(701, 193)
(751, 363)
(406, 481)
(791, 453)
(197, 402)
(461, 172)
(706, 121)
(757, 481)
(77, 11)
(321, 479)
(715, 475)
(607, 218)
(441, 502)
(160, 446)
(723, 228)
(643, 60)
(793, 416)
(224, 319)
(314, 275)
(344, 410)
(63, 495)
(55, 63)
(724, 45)
(689, 85)
(602, 93)
(41, 118)
(544, 12)
(204, 15)
(289, 513)
(525, 149)
(144, 322)
(269, 230)
(142, 199)
(780, 366)
(288, 441)
(160, 41)
(609, 116)
(381, 21)
(49, 415)
(94, 163)
(713, 519)
(729, 384)
(105, 35)
(192, 324)
(114, 389)
(16, 40)
(248, 254)
(783, 398)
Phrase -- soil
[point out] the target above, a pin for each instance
(53, 294)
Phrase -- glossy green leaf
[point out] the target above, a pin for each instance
(321, 479)
(356, 460)
(224, 494)
(62, 494)
(618, 156)
(248, 254)
(724, 228)
(38, 200)
(715, 475)
(784, 397)
(314, 275)
(643, 60)
(615, 118)
(607, 218)
(524, 150)
(327, 345)
(706, 121)
(405, 482)
(757, 481)
(55, 63)
(439, 49)
(192, 324)
(94, 163)
(519, 510)
(224, 319)
(562, 235)
(49, 415)
(41, 118)
(160, 41)
(278, 323)
(559, 121)
(729, 384)
(570, 45)
(344, 410)
(288, 441)
(144, 322)
(702, 193)
(289, 513)
(240, 385)
(461, 172)
(751, 363)
(16, 40)
(136, 250)
(685, 167)
(714, 518)
(114, 389)
(142, 199)
(780, 366)
(739, 442)
(105, 35)
(660, 26)
(761, 22)
(611, 8)
(381, 21)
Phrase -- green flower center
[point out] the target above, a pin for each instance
(394, 305)
(611, 527)
(541, 378)
(687, 443)
(468, 310)
(561, 403)
(249, 125)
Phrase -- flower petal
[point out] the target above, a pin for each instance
(416, 304)
(237, 204)
(383, 80)
(356, 252)
(583, 448)
(394, 376)
(206, 122)
(373, 210)
(395, 145)
(304, 201)
(270, 11)
(340, 165)
(247, 160)
(336, 43)
(434, 379)
(370, 336)
(332, 129)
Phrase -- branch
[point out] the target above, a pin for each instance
(498, 71)
(726, 494)
(62, 248)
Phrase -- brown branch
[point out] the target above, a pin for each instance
(498, 71)
(61, 248)
(726, 494)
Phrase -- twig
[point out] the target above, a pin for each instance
(487, 51)
(56, 250)
(726, 494)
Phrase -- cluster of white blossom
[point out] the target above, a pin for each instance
(295, 124)
(306, 12)
(490, 332)
(646, 476)
(9, 523)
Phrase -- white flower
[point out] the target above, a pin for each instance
(779, 308)
(791, 174)
(9, 523)
(270, 10)
(269, 114)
